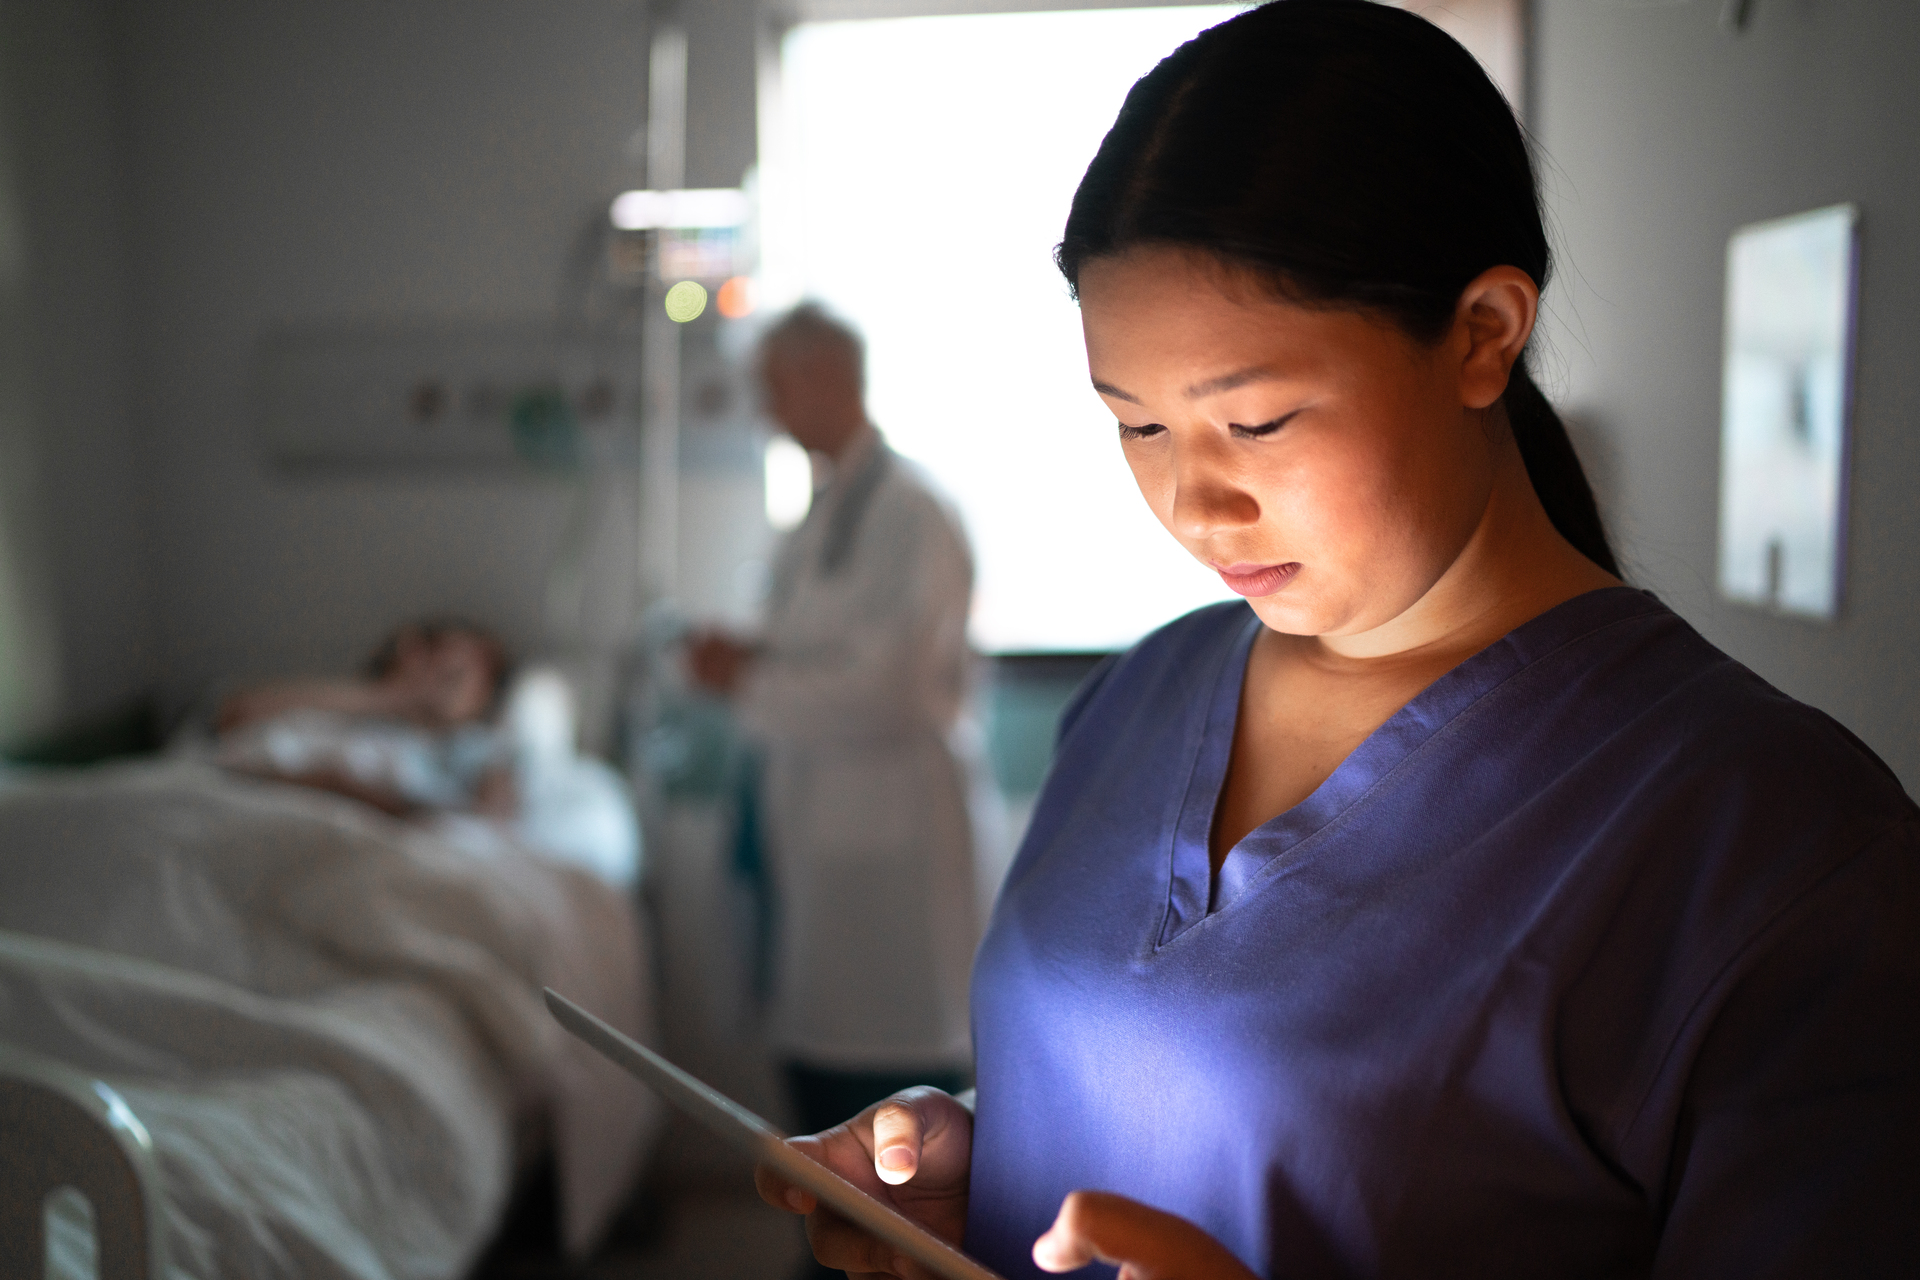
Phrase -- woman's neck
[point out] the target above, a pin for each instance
(1514, 567)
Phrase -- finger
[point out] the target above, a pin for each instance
(858, 1254)
(839, 1244)
(898, 1131)
(1149, 1244)
(780, 1193)
(1067, 1245)
(838, 1148)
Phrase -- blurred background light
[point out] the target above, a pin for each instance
(789, 479)
(685, 301)
(700, 207)
(735, 298)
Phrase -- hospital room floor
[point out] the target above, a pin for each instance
(704, 1235)
(721, 1237)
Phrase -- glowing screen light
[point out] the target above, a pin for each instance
(916, 180)
(685, 301)
(789, 477)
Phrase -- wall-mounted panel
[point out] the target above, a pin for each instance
(499, 396)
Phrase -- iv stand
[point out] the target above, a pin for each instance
(659, 558)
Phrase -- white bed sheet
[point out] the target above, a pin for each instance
(329, 1020)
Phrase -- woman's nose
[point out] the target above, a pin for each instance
(1207, 496)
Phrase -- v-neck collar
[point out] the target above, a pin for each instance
(1193, 894)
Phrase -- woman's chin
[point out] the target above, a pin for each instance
(1290, 615)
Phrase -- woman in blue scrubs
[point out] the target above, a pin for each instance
(1454, 910)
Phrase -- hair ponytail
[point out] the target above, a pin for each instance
(1351, 154)
(1555, 468)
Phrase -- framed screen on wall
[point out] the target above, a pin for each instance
(1784, 402)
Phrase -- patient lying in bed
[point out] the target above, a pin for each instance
(441, 730)
(415, 733)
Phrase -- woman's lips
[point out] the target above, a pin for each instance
(1254, 580)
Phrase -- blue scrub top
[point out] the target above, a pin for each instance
(1599, 958)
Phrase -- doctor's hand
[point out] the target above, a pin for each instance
(913, 1152)
(717, 661)
(1145, 1243)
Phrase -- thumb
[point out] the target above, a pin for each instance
(899, 1130)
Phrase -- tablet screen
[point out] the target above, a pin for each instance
(762, 1143)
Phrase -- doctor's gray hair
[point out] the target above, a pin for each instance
(811, 330)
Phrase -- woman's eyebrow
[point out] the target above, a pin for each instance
(1199, 390)
(1228, 381)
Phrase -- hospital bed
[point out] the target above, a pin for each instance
(78, 1186)
(263, 1031)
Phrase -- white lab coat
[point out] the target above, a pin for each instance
(874, 795)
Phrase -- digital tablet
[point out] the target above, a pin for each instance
(763, 1144)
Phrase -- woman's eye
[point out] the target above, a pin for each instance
(1140, 433)
(1263, 429)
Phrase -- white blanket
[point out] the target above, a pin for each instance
(329, 1020)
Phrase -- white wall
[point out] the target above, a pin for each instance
(1663, 133)
(78, 538)
(366, 161)
(29, 649)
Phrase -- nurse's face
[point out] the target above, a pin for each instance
(1325, 464)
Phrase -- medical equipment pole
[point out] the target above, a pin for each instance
(660, 342)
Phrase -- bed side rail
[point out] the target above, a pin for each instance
(60, 1127)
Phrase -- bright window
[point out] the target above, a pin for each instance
(917, 183)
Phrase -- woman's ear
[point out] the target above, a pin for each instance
(1493, 321)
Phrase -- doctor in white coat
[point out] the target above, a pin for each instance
(875, 803)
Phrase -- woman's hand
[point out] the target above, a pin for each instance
(1146, 1243)
(913, 1152)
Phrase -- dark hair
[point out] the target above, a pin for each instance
(387, 654)
(1349, 154)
